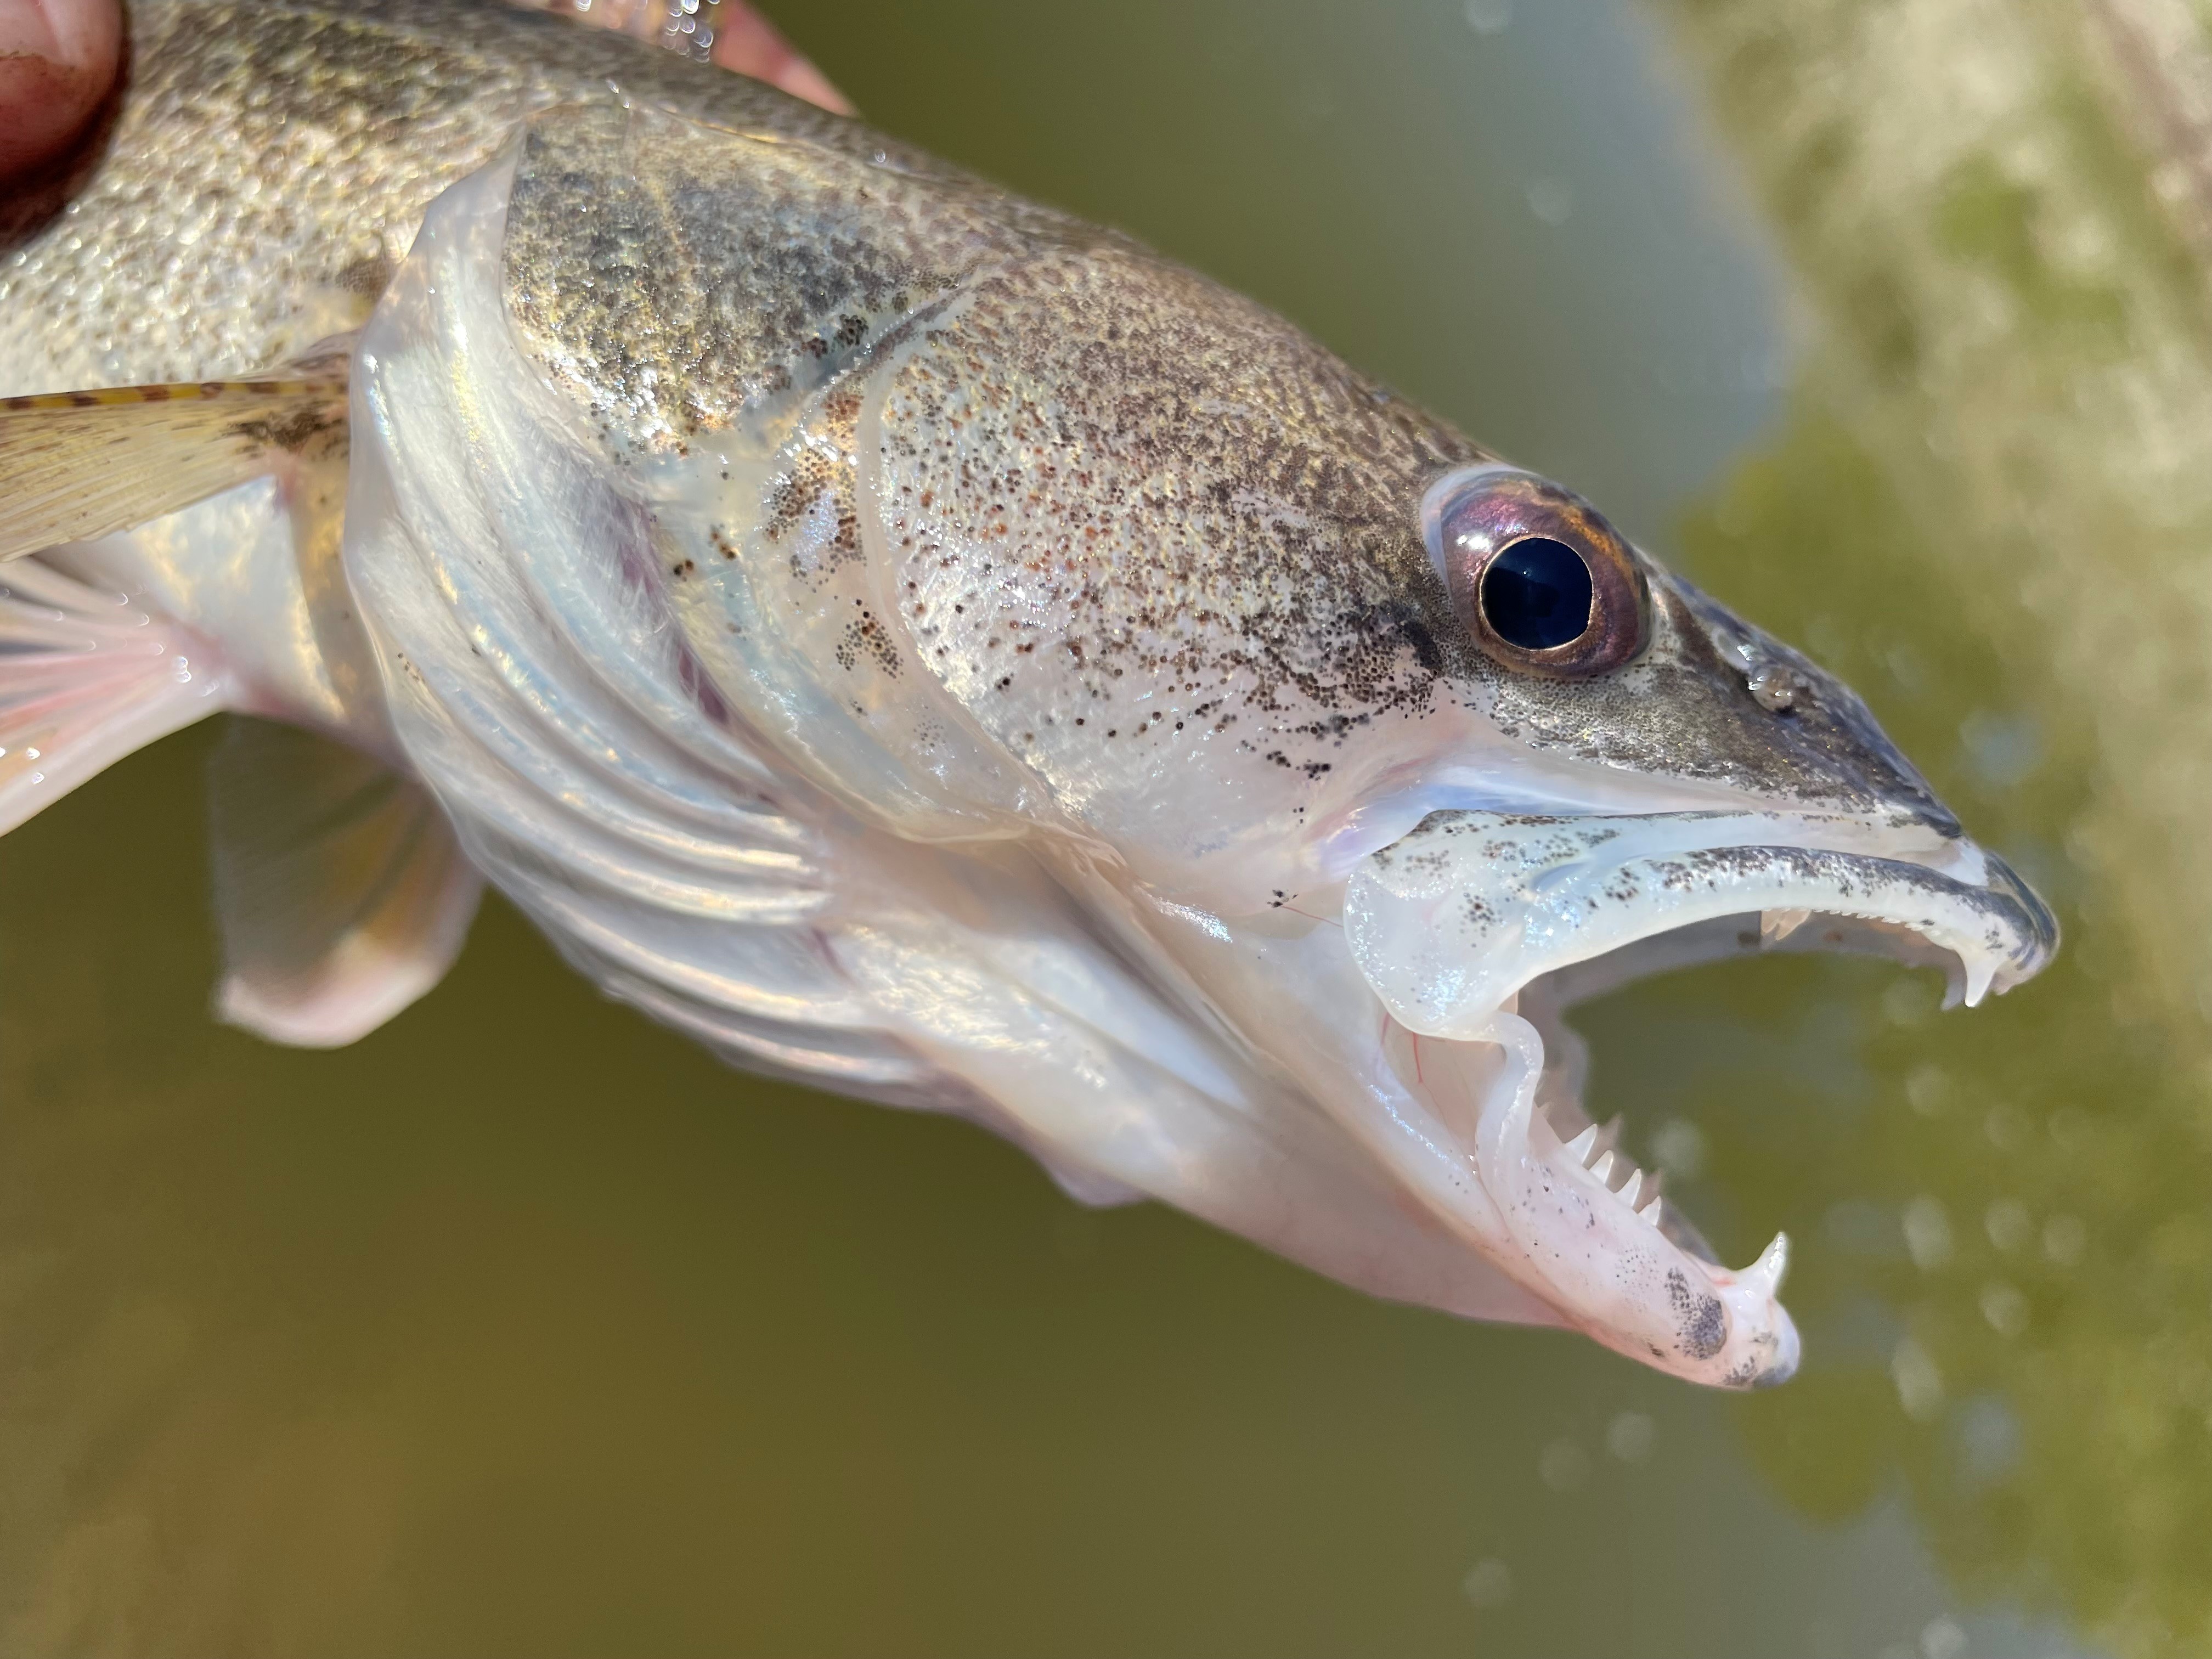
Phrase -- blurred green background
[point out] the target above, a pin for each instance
(523, 1328)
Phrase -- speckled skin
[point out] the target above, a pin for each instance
(916, 642)
(270, 162)
(1131, 511)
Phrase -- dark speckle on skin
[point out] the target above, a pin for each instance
(345, 120)
(1702, 1322)
(1185, 497)
(321, 431)
(1206, 503)
(678, 278)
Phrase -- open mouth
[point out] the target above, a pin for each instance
(1479, 930)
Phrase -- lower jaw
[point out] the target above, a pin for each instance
(1481, 1092)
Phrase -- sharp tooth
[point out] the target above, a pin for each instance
(1775, 926)
(1609, 1137)
(1603, 1169)
(1652, 1212)
(1764, 1276)
(1583, 1145)
(1632, 1188)
(1979, 977)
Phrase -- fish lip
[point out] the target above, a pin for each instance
(2043, 925)
(2002, 896)
(1452, 920)
(1516, 887)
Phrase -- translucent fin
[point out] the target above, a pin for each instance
(340, 891)
(78, 465)
(86, 675)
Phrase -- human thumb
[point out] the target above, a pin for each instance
(57, 60)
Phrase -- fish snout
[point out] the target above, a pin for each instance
(1824, 745)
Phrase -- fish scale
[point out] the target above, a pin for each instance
(909, 640)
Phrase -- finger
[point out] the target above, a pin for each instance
(742, 40)
(57, 60)
(748, 43)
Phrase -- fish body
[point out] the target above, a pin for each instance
(914, 641)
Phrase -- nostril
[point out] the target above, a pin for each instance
(1777, 688)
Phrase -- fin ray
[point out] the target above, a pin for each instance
(341, 893)
(78, 464)
(86, 676)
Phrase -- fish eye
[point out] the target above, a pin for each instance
(1536, 594)
(1539, 579)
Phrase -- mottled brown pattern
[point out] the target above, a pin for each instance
(680, 276)
(1198, 504)
(1130, 477)
(1161, 488)
(1112, 479)
(272, 161)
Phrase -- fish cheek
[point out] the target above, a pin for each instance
(1126, 542)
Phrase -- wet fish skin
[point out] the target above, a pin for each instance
(917, 642)
(1278, 541)
(268, 163)
(271, 161)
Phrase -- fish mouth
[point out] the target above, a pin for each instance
(1478, 931)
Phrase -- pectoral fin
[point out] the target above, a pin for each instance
(340, 889)
(78, 465)
(88, 675)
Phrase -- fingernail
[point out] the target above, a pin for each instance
(57, 59)
(77, 35)
(26, 30)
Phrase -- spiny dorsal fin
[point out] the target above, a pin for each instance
(78, 465)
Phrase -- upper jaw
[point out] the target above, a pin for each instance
(1478, 929)
(1450, 922)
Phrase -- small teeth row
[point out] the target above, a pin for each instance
(1775, 926)
(1593, 1150)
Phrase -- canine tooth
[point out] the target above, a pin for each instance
(1632, 1188)
(1979, 977)
(1764, 1276)
(1603, 1169)
(1775, 926)
(1584, 1143)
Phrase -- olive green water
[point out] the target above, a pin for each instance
(523, 1328)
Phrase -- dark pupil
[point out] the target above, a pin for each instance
(1536, 594)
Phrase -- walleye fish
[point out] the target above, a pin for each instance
(912, 641)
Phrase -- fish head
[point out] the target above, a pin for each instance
(1404, 751)
(1366, 753)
